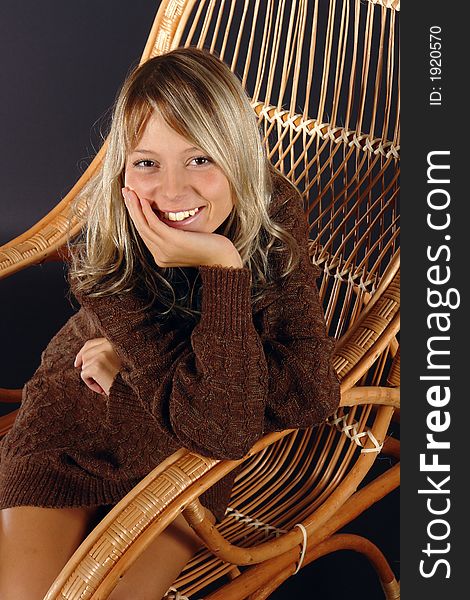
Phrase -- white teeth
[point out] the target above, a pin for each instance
(180, 216)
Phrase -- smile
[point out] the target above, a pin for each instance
(181, 215)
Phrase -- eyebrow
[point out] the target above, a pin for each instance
(143, 151)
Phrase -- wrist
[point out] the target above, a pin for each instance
(228, 264)
(233, 260)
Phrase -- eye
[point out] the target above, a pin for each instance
(201, 160)
(144, 164)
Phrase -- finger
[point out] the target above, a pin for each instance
(153, 221)
(95, 387)
(91, 383)
(78, 359)
(152, 229)
(89, 379)
(134, 207)
(85, 350)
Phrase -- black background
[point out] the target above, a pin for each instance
(61, 66)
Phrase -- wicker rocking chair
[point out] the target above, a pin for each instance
(322, 76)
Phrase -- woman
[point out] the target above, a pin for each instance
(200, 326)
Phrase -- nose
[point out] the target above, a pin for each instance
(172, 184)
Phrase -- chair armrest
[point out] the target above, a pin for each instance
(6, 422)
(10, 396)
(377, 395)
(372, 332)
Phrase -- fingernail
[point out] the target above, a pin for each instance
(124, 193)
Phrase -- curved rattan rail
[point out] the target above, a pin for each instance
(346, 165)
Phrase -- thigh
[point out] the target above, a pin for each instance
(156, 569)
(35, 543)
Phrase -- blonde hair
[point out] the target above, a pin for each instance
(202, 100)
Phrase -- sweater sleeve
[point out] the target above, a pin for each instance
(303, 385)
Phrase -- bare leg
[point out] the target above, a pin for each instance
(35, 543)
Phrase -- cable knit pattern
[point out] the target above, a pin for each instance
(215, 387)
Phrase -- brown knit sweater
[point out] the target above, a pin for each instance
(215, 387)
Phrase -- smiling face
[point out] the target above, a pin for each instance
(185, 188)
